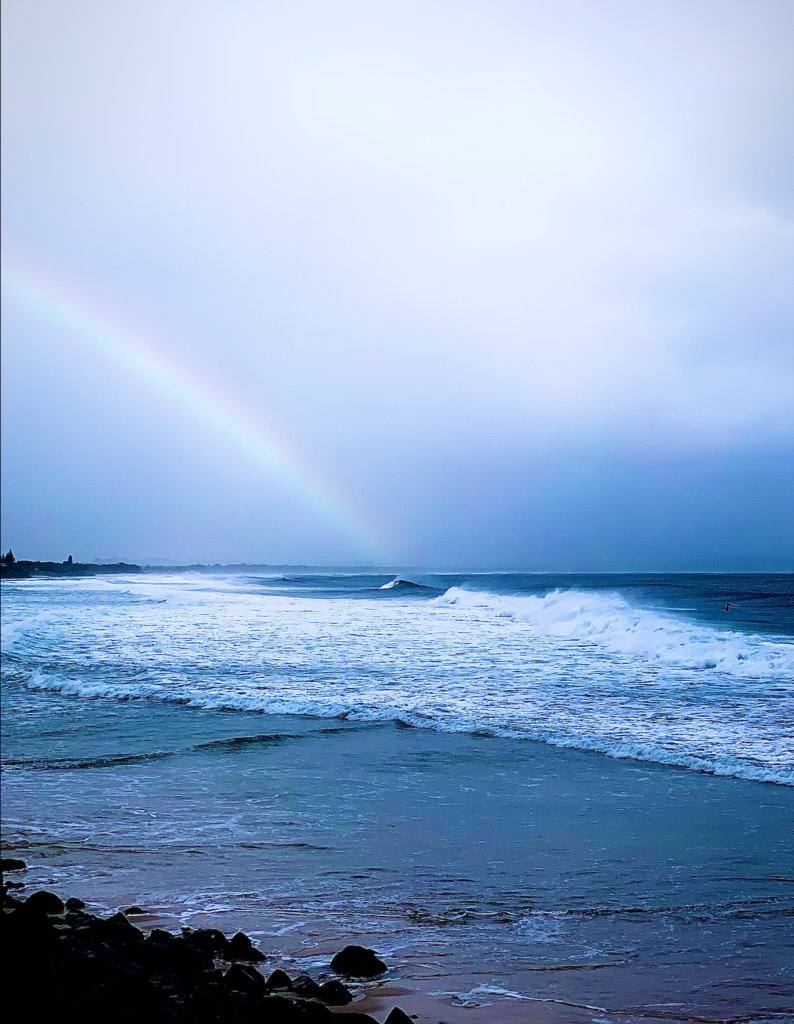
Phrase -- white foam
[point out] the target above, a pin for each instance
(541, 926)
(614, 625)
(574, 669)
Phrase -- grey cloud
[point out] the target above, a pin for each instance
(422, 229)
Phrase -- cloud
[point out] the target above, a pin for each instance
(402, 227)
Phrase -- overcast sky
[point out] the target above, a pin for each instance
(512, 280)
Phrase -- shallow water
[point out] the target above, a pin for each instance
(479, 865)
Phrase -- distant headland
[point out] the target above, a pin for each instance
(20, 568)
(12, 567)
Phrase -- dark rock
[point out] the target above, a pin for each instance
(87, 926)
(398, 1016)
(244, 978)
(213, 977)
(208, 940)
(15, 885)
(120, 919)
(306, 986)
(12, 864)
(279, 980)
(335, 993)
(81, 967)
(315, 1012)
(46, 902)
(280, 1010)
(168, 954)
(100, 964)
(116, 930)
(28, 928)
(358, 962)
(166, 982)
(240, 947)
(134, 909)
(120, 924)
(77, 966)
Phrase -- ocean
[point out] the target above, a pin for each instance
(540, 797)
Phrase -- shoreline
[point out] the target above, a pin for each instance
(142, 961)
(51, 935)
(148, 961)
(23, 569)
(544, 908)
(127, 964)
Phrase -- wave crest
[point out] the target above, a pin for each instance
(610, 622)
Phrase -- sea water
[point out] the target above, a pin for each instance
(519, 788)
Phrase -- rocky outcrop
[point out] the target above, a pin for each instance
(65, 964)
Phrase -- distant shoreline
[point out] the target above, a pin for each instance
(24, 569)
(27, 568)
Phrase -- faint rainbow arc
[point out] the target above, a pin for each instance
(132, 353)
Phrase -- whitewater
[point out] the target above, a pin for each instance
(598, 668)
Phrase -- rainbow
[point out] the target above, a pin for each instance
(140, 358)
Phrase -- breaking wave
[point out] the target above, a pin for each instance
(572, 668)
(610, 623)
(398, 583)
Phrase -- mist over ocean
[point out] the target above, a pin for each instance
(583, 786)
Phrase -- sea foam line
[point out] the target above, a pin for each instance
(619, 748)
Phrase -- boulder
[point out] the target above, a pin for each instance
(163, 952)
(306, 986)
(334, 993)
(28, 931)
(134, 909)
(279, 980)
(120, 929)
(280, 1010)
(240, 947)
(12, 864)
(208, 940)
(315, 1012)
(358, 962)
(398, 1016)
(74, 904)
(101, 965)
(210, 978)
(244, 978)
(46, 902)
